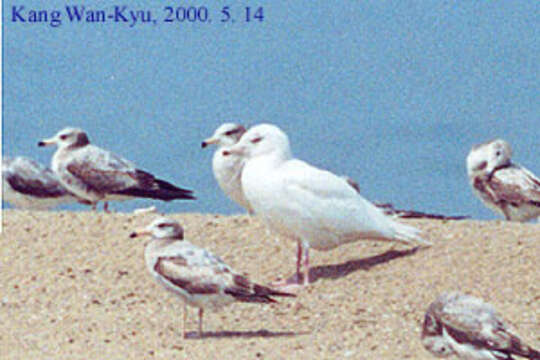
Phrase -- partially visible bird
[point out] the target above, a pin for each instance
(389, 209)
(469, 328)
(503, 186)
(228, 169)
(29, 185)
(95, 174)
(201, 279)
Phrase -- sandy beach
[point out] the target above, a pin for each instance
(74, 286)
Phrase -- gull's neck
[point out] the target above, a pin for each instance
(505, 165)
(158, 243)
(76, 145)
(226, 142)
(275, 158)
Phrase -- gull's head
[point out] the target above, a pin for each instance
(68, 137)
(437, 345)
(161, 228)
(487, 157)
(433, 337)
(500, 155)
(227, 134)
(261, 140)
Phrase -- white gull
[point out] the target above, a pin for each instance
(228, 169)
(314, 207)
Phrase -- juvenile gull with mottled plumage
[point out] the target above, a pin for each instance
(469, 328)
(201, 279)
(95, 174)
(29, 185)
(503, 186)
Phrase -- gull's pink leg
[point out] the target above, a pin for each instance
(106, 207)
(184, 323)
(200, 321)
(298, 258)
(293, 282)
(306, 266)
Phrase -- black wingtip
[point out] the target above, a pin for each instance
(268, 291)
(165, 195)
(259, 294)
(153, 188)
(535, 355)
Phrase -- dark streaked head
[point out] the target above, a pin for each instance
(161, 228)
(68, 137)
(227, 134)
(260, 140)
(432, 331)
(501, 154)
(485, 158)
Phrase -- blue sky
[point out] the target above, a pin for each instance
(392, 93)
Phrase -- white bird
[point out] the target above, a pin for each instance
(228, 169)
(201, 279)
(316, 208)
(29, 185)
(503, 186)
(470, 329)
(95, 174)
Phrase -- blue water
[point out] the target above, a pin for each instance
(391, 93)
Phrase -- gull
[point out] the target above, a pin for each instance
(95, 174)
(314, 207)
(469, 328)
(503, 186)
(201, 279)
(228, 169)
(29, 185)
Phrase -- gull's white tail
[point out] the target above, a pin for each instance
(408, 234)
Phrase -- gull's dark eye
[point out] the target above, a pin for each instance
(232, 132)
(256, 140)
(63, 137)
(498, 153)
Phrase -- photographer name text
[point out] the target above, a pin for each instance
(131, 17)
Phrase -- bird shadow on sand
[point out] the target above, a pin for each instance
(242, 334)
(336, 271)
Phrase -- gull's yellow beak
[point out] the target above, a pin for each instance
(140, 232)
(47, 142)
(209, 141)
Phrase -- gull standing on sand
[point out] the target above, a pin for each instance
(95, 174)
(201, 279)
(503, 186)
(228, 169)
(316, 208)
(29, 185)
(469, 328)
